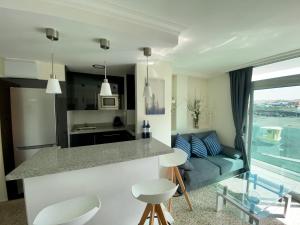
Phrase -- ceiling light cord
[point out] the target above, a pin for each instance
(105, 69)
(147, 81)
(52, 73)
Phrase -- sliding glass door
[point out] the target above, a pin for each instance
(275, 120)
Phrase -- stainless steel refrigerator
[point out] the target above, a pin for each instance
(33, 121)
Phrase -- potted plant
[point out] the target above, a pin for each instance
(195, 108)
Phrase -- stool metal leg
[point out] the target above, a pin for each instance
(179, 178)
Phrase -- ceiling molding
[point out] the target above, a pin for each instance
(101, 9)
(271, 59)
(123, 13)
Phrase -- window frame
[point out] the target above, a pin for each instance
(278, 82)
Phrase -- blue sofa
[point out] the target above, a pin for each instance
(198, 172)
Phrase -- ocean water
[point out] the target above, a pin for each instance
(276, 140)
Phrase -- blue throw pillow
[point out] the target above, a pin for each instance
(212, 143)
(198, 147)
(183, 144)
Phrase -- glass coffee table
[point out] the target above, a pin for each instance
(253, 195)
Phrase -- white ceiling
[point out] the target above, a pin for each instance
(198, 37)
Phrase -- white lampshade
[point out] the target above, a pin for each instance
(53, 86)
(105, 88)
(147, 91)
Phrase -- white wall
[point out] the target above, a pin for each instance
(160, 124)
(3, 193)
(186, 89)
(1, 66)
(181, 97)
(219, 104)
(43, 70)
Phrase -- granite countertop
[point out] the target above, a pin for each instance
(99, 127)
(55, 160)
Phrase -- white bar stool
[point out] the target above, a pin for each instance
(76, 211)
(154, 192)
(171, 161)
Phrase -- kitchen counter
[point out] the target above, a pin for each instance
(56, 160)
(95, 128)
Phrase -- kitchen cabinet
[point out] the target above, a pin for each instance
(100, 138)
(130, 82)
(113, 136)
(83, 89)
(82, 139)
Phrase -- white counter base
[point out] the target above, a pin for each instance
(111, 182)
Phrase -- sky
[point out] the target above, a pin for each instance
(280, 69)
(285, 93)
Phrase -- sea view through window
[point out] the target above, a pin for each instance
(276, 128)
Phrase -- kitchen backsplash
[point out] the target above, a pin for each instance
(93, 116)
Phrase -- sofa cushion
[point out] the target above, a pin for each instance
(225, 163)
(231, 152)
(183, 144)
(203, 171)
(174, 137)
(198, 147)
(212, 143)
(202, 135)
(187, 166)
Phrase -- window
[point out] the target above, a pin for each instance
(276, 124)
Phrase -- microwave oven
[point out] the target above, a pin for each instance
(108, 102)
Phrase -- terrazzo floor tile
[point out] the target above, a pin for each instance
(204, 213)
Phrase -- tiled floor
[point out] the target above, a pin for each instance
(204, 213)
(204, 203)
(13, 213)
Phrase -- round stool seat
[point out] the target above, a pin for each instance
(177, 158)
(154, 191)
(75, 211)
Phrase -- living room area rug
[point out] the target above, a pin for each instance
(204, 211)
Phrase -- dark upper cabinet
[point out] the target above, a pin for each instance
(130, 81)
(83, 89)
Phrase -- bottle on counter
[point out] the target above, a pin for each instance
(144, 132)
(148, 132)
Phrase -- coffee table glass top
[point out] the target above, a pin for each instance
(252, 191)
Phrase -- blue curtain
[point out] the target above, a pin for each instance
(240, 86)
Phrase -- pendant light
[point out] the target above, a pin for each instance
(147, 88)
(105, 86)
(53, 86)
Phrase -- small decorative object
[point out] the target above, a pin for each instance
(144, 133)
(146, 129)
(155, 105)
(195, 108)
